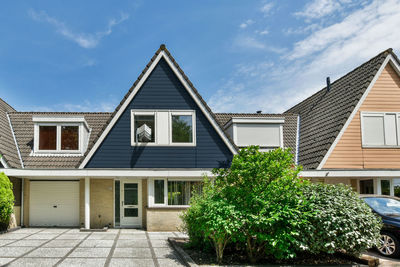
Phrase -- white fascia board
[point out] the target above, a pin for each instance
(60, 119)
(349, 173)
(3, 162)
(134, 92)
(15, 142)
(107, 173)
(390, 59)
(297, 140)
(254, 120)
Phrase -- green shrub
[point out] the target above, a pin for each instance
(342, 222)
(211, 219)
(6, 201)
(264, 188)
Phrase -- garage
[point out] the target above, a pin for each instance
(54, 203)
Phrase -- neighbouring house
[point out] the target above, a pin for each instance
(350, 130)
(134, 167)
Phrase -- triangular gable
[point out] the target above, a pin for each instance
(161, 54)
(390, 59)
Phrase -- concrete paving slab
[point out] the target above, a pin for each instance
(27, 243)
(59, 243)
(4, 261)
(69, 262)
(73, 236)
(132, 253)
(132, 231)
(141, 243)
(29, 230)
(55, 230)
(14, 251)
(156, 243)
(4, 242)
(42, 236)
(13, 236)
(165, 253)
(48, 253)
(102, 236)
(89, 253)
(169, 262)
(119, 262)
(158, 237)
(132, 237)
(94, 243)
(34, 262)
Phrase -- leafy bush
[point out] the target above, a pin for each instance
(211, 218)
(6, 201)
(342, 222)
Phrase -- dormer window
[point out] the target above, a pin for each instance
(60, 135)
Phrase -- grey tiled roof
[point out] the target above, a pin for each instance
(289, 127)
(324, 114)
(23, 128)
(7, 144)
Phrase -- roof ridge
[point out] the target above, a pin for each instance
(56, 112)
(387, 52)
(8, 105)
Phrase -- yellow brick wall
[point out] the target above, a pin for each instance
(159, 219)
(101, 203)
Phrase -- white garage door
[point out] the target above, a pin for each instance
(54, 203)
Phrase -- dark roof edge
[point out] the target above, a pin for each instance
(388, 51)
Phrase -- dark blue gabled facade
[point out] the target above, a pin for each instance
(161, 90)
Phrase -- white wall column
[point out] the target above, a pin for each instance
(87, 203)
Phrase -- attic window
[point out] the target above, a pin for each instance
(69, 137)
(144, 128)
(47, 137)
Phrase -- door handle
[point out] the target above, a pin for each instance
(55, 206)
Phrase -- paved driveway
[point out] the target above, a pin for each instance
(69, 247)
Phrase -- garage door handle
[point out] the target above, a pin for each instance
(55, 206)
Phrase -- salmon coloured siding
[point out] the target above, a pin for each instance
(384, 96)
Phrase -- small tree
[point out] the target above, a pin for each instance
(211, 219)
(265, 189)
(6, 201)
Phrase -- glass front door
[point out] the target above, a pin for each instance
(131, 210)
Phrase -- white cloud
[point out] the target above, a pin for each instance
(85, 40)
(262, 32)
(267, 8)
(331, 51)
(247, 23)
(319, 8)
(250, 43)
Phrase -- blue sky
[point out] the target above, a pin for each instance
(242, 56)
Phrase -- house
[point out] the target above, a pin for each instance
(134, 167)
(350, 130)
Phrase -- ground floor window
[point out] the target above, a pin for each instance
(367, 186)
(173, 192)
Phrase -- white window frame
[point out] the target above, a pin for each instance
(383, 115)
(154, 131)
(183, 113)
(167, 131)
(165, 204)
(58, 149)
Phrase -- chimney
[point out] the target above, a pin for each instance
(259, 111)
(328, 84)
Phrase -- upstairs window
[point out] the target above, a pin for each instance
(163, 128)
(60, 135)
(380, 129)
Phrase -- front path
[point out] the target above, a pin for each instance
(69, 247)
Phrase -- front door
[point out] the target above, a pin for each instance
(131, 203)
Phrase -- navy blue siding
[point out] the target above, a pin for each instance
(162, 90)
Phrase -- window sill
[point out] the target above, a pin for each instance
(367, 146)
(163, 145)
(154, 207)
(56, 153)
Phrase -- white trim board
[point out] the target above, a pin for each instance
(350, 173)
(3, 162)
(15, 141)
(393, 63)
(162, 54)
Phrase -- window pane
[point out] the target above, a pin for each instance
(131, 212)
(390, 130)
(396, 185)
(47, 137)
(117, 203)
(182, 129)
(69, 137)
(366, 186)
(373, 133)
(180, 192)
(131, 194)
(159, 192)
(385, 187)
(144, 128)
